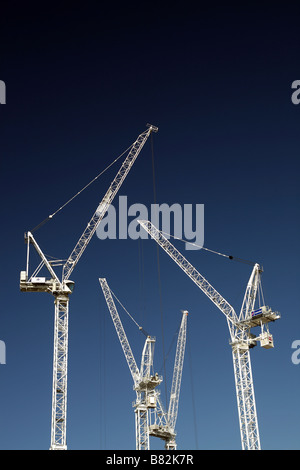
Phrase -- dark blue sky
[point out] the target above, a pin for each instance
(82, 81)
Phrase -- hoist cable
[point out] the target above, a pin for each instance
(241, 260)
(134, 321)
(79, 192)
(170, 349)
(159, 281)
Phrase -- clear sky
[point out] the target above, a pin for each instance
(82, 81)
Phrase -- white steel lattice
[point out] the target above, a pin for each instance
(245, 398)
(60, 363)
(105, 203)
(142, 423)
(177, 373)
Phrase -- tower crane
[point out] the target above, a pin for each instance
(151, 419)
(62, 288)
(241, 338)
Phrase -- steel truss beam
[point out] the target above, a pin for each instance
(60, 371)
(245, 398)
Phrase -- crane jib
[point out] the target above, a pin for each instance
(191, 271)
(106, 201)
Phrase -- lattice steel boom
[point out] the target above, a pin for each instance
(177, 372)
(106, 201)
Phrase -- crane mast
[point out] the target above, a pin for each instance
(146, 395)
(60, 373)
(241, 338)
(61, 289)
(251, 293)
